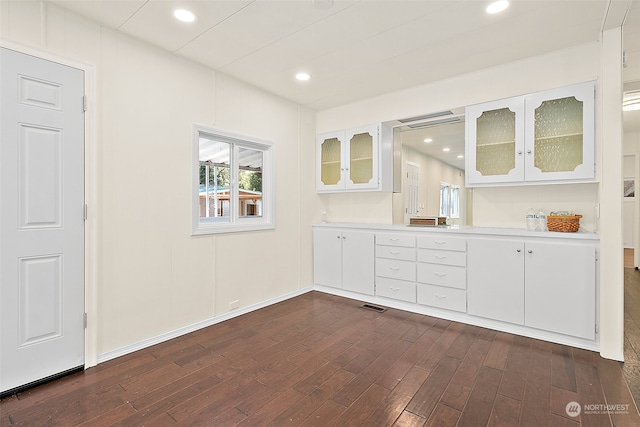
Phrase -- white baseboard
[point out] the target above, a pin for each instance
(103, 357)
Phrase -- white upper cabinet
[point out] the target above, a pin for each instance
(542, 137)
(358, 159)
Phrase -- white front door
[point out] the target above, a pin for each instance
(41, 219)
(410, 190)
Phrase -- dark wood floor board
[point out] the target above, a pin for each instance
(463, 381)
(617, 393)
(590, 392)
(559, 399)
(482, 397)
(407, 419)
(322, 360)
(324, 415)
(361, 409)
(304, 407)
(563, 373)
(428, 395)
(505, 412)
(536, 410)
(352, 391)
(516, 369)
(500, 347)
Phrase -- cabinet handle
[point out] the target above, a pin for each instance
(395, 268)
(440, 296)
(440, 274)
(394, 239)
(528, 151)
(337, 237)
(394, 252)
(518, 250)
(440, 242)
(530, 251)
(394, 289)
(441, 257)
(520, 153)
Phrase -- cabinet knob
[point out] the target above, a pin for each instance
(518, 250)
(528, 151)
(530, 251)
(520, 153)
(344, 237)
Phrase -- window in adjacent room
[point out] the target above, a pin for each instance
(454, 201)
(449, 200)
(444, 199)
(232, 182)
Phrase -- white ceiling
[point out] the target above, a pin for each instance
(360, 49)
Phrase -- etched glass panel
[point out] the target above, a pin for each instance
(361, 158)
(330, 161)
(558, 135)
(496, 142)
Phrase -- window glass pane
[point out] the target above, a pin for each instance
(496, 142)
(455, 202)
(444, 199)
(361, 158)
(558, 135)
(249, 182)
(215, 160)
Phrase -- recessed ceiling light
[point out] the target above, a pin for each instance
(303, 77)
(497, 6)
(445, 149)
(460, 156)
(428, 140)
(184, 15)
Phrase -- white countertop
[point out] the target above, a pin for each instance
(455, 229)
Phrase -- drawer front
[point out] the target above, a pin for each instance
(437, 296)
(396, 269)
(442, 275)
(396, 252)
(435, 256)
(442, 242)
(390, 239)
(396, 289)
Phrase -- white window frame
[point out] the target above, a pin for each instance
(442, 211)
(236, 223)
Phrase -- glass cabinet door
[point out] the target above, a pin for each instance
(495, 138)
(559, 134)
(362, 159)
(330, 157)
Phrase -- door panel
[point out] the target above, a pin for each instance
(41, 219)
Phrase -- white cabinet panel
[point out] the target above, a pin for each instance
(344, 259)
(560, 290)
(438, 296)
(495, 287)
(395, 269)
(442, 275)
(396, 252)
(396, 289)
(435, 256)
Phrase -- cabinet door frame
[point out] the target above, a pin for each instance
(584, 92)
(358, 261)
(327, 257)
(321, 186)
(473, 176)
(374, 131)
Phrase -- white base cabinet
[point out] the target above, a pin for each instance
(548, 286)
(542, 285)
(344, 259)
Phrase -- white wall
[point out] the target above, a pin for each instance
(152, 277)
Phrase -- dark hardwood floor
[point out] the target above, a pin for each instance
(322, 360)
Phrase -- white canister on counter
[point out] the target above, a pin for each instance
(541, 221)
(531, 220)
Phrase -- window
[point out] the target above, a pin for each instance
(449, 200)
(444, 199)
(232, 182)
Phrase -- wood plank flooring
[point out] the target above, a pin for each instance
(322, 360)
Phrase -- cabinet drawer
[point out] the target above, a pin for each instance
(435, 256)
(443, 275)
(442, 242)
(396, 252)
(437, 296)
(396, 289)
(390, 239)
(396, 269)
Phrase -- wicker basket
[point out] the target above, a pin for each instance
(563, 223)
